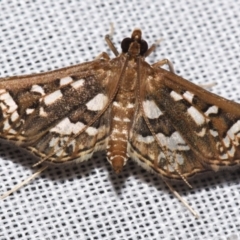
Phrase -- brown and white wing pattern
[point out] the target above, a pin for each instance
(181, 128)
(173, 158)
(60, 115)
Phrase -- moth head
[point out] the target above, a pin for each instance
(135, 45)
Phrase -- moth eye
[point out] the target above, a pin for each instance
(143, 47)
(126, 44)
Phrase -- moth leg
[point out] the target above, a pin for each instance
(163, 62)
(170, 66)
(103, 55)
(111, 45)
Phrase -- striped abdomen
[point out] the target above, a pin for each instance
(123, 108)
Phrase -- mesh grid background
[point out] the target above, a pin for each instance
(89, 201)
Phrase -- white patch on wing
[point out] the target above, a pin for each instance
(226, 141)
(97, 103)
(116, 104)
(231, 152)
(170, 168)
(52, 97)
(91, 131)
(37, 88)
(58, 144)
(179, 159)
(173, 162)
(196, 115)
(14, 116)
(213, 133)
(65, 127)
(12, 131)
(224, 156)
(147, 139)
(202, 132)
(151, 109)
(175, 96)
(234, 130)
(77, 84)
(211, 110)
(188, 96)
(174, 142)
(8, 100)
(29, 110)
(3, 107)
(168, 165)
(60, 152)
(6, 125)
(42, 113)
(65, 81)
(53, 141)
(218, 145)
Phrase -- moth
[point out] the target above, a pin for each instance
(125, 107)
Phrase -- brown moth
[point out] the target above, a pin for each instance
(126, 107)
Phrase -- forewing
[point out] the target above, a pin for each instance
(50, 114)
(193, 129)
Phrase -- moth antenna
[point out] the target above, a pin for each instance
(111, 30)
(182, 200)
(111, 45)
(109, 42)
(24, 182)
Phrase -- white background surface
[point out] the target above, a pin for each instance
(89, 201)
